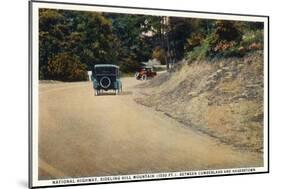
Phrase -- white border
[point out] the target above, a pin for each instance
(148, 176)
(35, 82)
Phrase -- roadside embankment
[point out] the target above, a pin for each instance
(220, 98)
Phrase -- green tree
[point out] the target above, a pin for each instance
(93, 41)
(129, 65)
(50, 38)
(159, 54)
(85, 35)
(65, 67)
(131, 31)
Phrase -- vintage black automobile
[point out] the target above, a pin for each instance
(106, 77)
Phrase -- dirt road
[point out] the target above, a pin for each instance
(85, 135)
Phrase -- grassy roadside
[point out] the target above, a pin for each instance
(223, 99)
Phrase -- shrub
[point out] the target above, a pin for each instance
(228, 30)
(199, 52)
(129, 65)
(253, 40)
(65, 67)
(160, 55)
(194, 40)
(234, 51)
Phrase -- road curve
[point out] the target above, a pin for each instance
(83, 135)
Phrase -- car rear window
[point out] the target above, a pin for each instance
(105, 71)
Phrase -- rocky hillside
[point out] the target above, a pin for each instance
(220, 98)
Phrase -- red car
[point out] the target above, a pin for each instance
(145, 73)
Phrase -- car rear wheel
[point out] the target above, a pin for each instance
(96, 92)
(144, 77)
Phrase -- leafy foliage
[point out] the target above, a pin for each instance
(200, 52)
(224, 39)
(90, 38)
(129, 65)
(253, 40)
(85, 35)
(65, 67)
(159, 54)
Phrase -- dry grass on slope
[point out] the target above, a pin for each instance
(223, 99)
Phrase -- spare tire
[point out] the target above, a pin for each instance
(105, 82)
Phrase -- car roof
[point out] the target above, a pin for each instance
(106, 65)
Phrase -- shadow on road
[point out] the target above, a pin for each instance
(124, 93)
